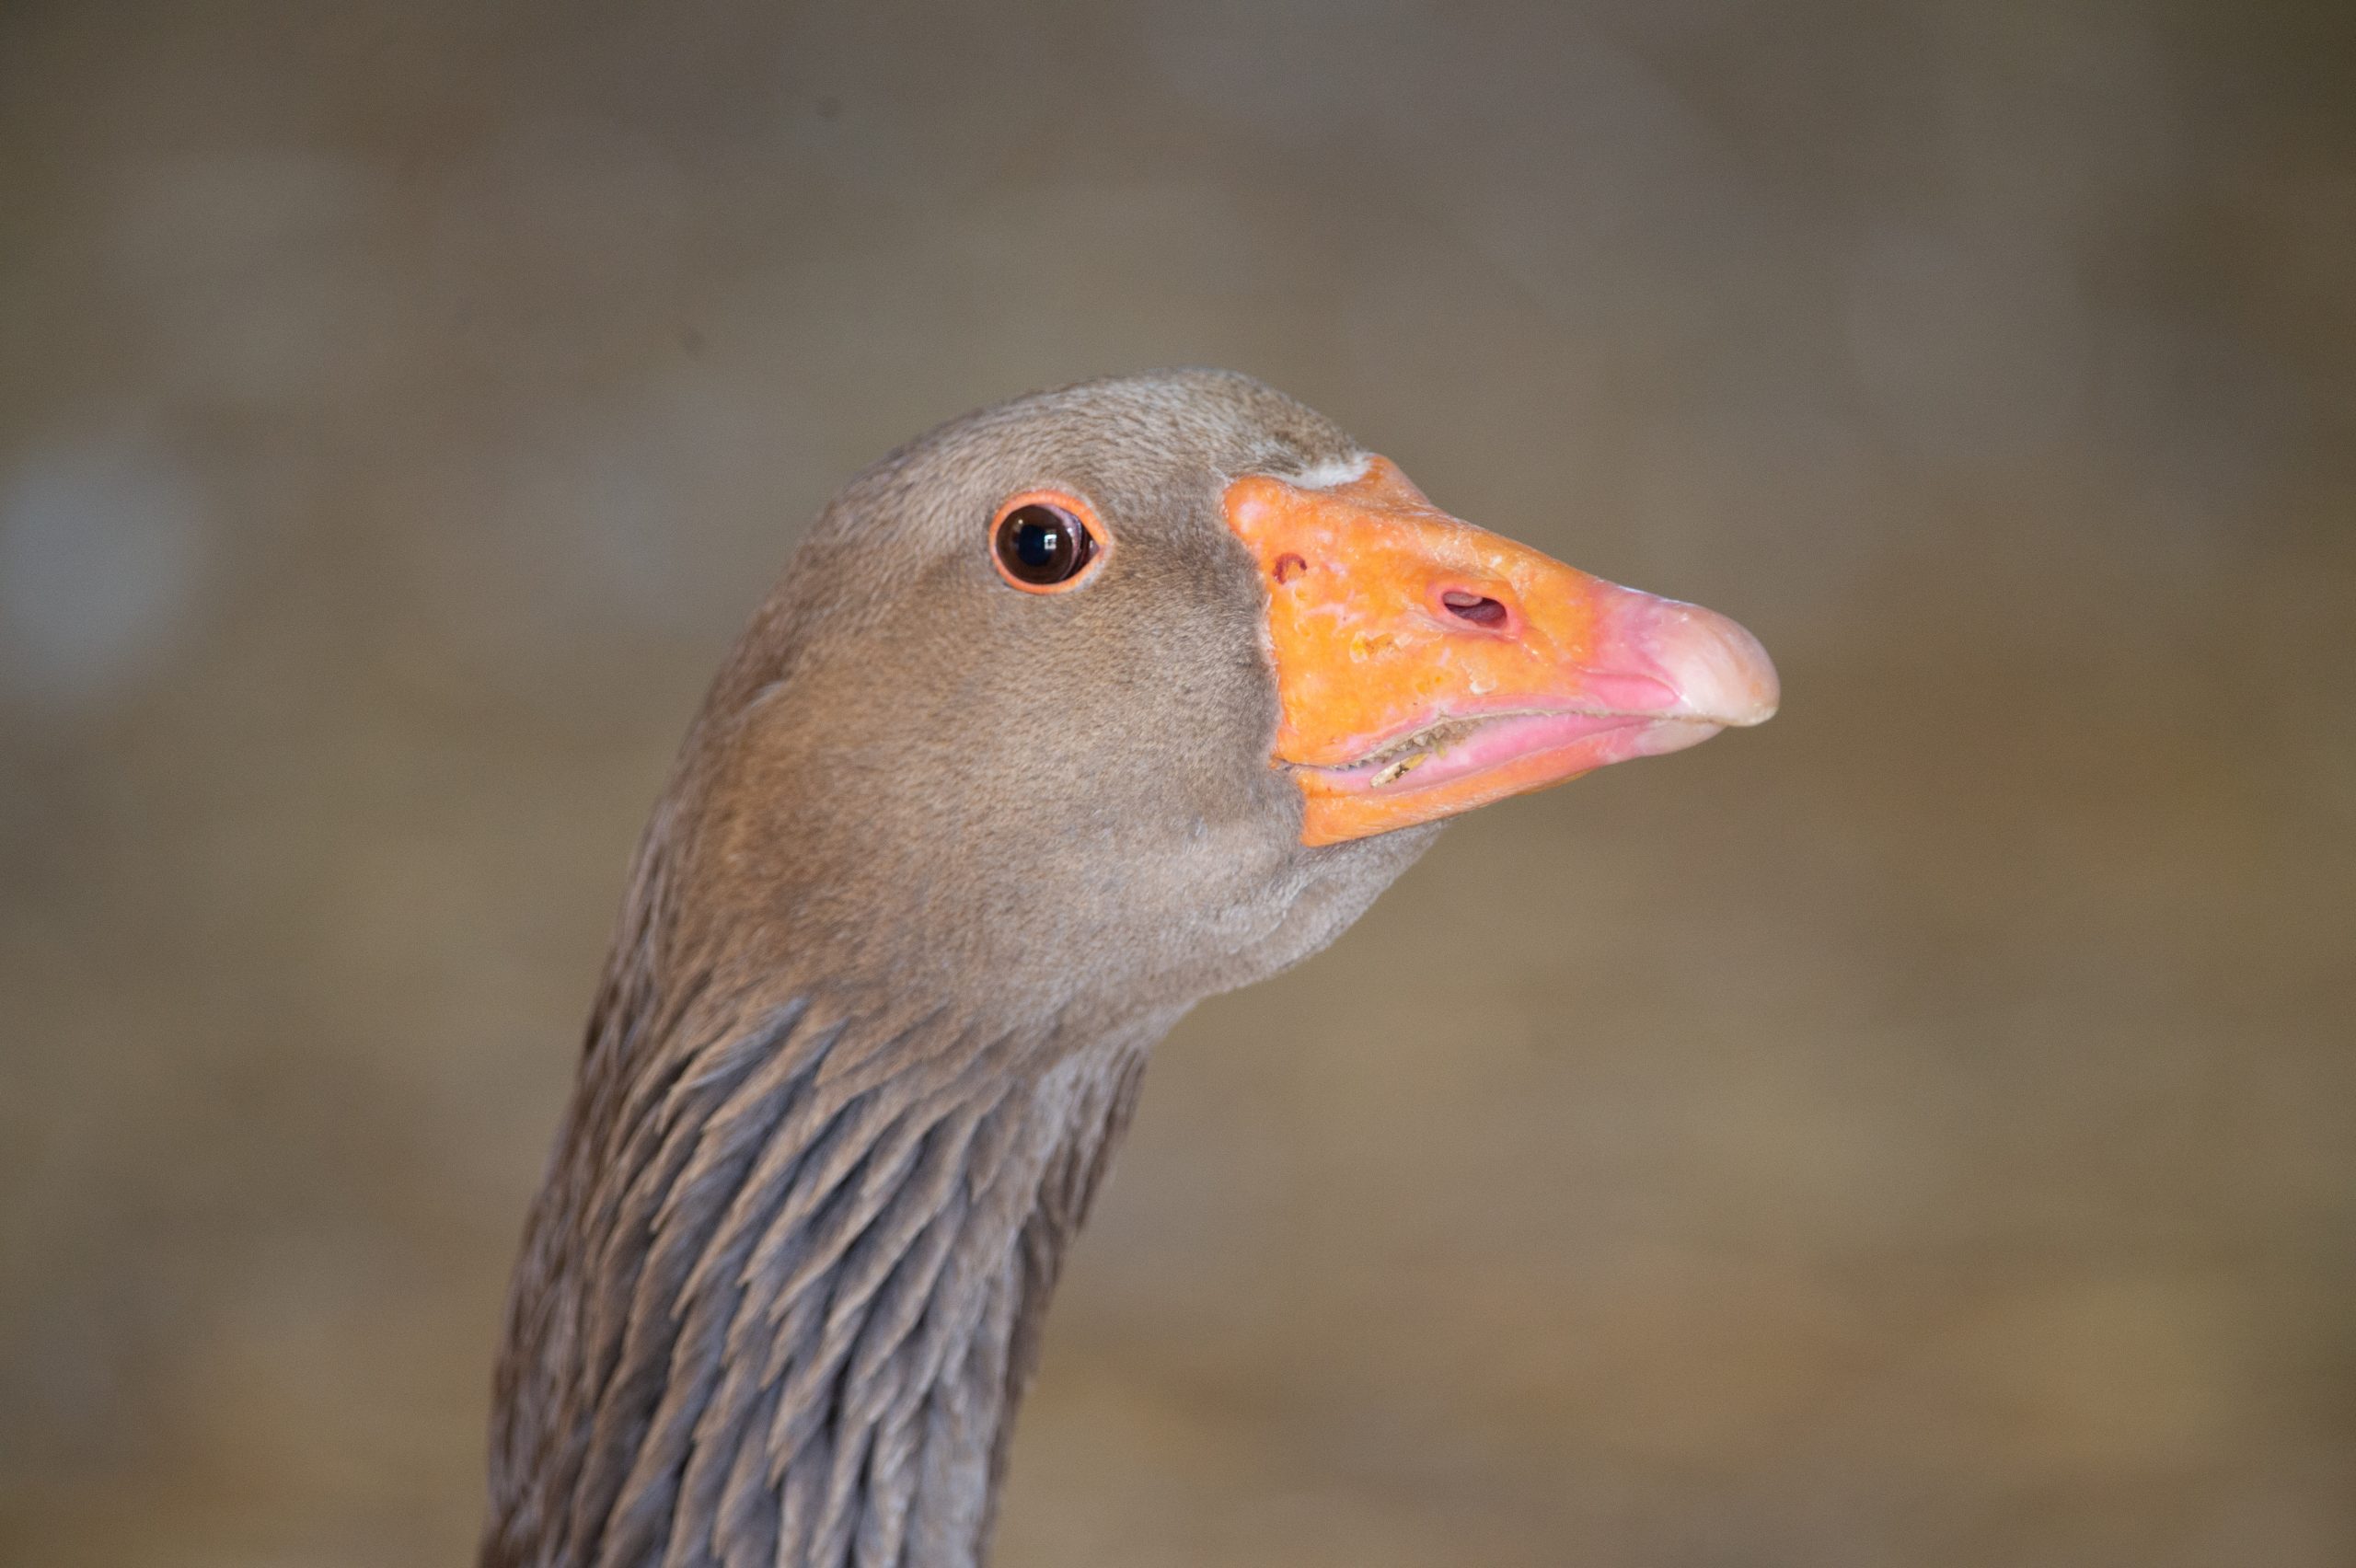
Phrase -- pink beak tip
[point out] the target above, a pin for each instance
(1722, 675)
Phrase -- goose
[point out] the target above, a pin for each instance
(1064, 716)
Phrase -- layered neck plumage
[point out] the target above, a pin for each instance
(781, 1294)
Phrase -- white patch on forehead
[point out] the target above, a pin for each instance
(1332, 471)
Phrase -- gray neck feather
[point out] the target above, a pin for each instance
(781, 1292)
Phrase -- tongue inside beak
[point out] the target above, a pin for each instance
(1425, 666)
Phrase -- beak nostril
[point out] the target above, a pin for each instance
(1477, 608)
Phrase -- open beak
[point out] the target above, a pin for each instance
(1425, 666)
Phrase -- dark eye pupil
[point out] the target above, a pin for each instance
(1043, 545)
(1037, 542)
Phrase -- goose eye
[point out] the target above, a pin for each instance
(1041, 545)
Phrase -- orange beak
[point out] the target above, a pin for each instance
(1425, 666)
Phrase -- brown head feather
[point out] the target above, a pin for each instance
(939, 862)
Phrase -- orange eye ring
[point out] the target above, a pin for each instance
(1047, 541)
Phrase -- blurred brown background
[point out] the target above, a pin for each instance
(1919, 1132)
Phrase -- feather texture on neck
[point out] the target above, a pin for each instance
(781, 1291)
